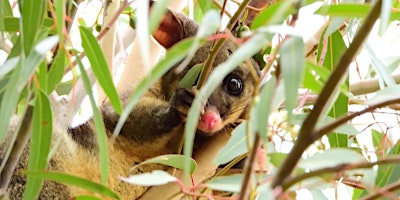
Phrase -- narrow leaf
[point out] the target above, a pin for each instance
(273, 14)
(99, 125)
(335, 48)
(100, 67)
(236, 146)
(19, 78)
(292, 65)
(32, 16)
(231, 183)
(330, 158)
(42, 127)
(156, 177)
(76, 181)
(56, 71)
(191, 76)
(172, 160)
(260, 111)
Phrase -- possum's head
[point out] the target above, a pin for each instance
(229, 102)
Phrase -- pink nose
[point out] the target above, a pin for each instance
(210, 119)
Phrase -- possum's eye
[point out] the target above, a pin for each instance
(233, 84)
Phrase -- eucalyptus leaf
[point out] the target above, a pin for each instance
(154, 178)
(330, 158)
(191, 76)
(231, 183)
(172, 160)
(236, 146)
(100, 67)
(98, 123)
(42, 127)
(385, 94)
(292, 65)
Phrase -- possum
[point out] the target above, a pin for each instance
(155, 125)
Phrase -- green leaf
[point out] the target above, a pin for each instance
(100, 67)
(387, 173)
(42, 127)
(248, 49)
(11, 24)
(273, 14)
(334, 49)
(292, 66)
(350, 10)
(236, 146)
(86, 197)
(191, 76)
(231, 183)
(32, 16)
(76, 181)
(344, 10)
(59, 8)
(99, 124)
(330, 158)
(277, 158)
(385, 94)
(19, 78)
(156, 177)
(5, 8)
(172, 160)
(56, 71)
(261, 109)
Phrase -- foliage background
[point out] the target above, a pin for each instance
(303, 136)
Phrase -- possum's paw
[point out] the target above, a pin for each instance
(183, 99)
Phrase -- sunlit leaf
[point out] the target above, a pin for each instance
(156, 177)
(273, 14)
(172, 160)
(100, 67)
(19, 78)
(32, 16)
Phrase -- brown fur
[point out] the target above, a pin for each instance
(154, 127)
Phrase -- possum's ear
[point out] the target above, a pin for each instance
(173, 28)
